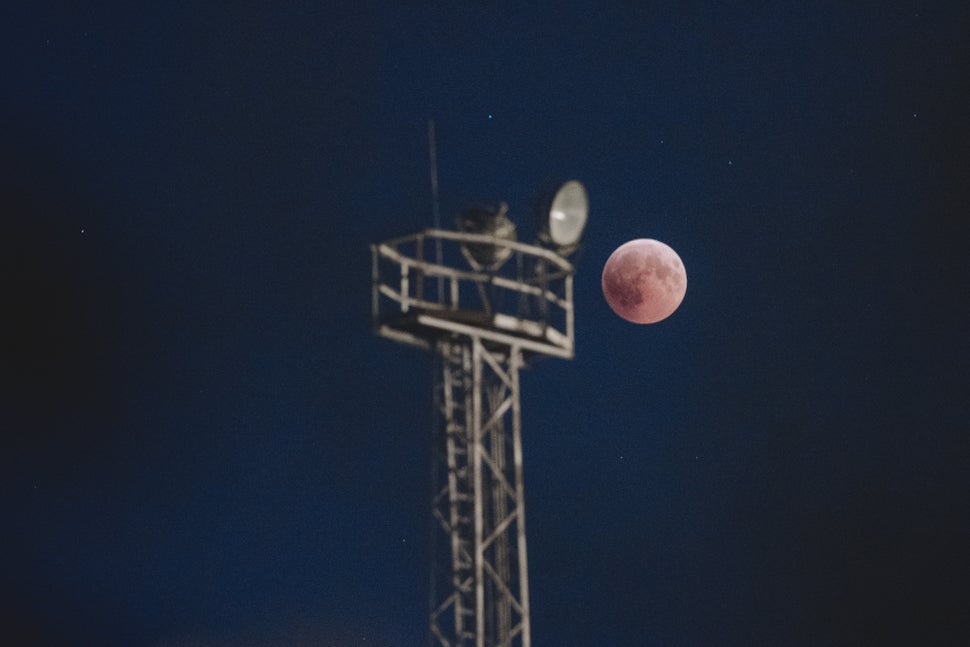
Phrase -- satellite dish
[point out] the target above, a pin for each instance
(567, 216)
(480, 219)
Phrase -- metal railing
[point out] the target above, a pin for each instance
(426, 279)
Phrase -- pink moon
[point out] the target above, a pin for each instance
(644, 281)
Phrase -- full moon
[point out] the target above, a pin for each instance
(644, 281)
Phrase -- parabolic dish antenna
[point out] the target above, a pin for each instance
(480, 219)
(567, 214)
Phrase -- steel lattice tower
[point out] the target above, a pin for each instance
(485, 305)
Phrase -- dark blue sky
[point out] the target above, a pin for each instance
(204, 444)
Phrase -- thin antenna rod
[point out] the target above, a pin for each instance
(433, 161)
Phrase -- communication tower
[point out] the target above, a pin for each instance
(485, 305)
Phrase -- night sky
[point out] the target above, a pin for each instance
(204, 443)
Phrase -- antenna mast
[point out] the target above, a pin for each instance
(435, 202)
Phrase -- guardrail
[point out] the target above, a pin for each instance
(424, 286)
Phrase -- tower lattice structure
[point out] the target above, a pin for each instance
(483, 326)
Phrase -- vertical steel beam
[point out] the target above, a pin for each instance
(451, 427)
(515, 362)
(479, 504)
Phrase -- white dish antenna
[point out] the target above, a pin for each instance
(567, 215)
